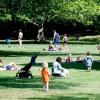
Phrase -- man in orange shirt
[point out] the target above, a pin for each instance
(45, 76)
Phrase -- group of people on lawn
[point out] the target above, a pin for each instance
(57, 69)
(56, 39)
(20, 37)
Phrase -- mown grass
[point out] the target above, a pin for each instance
(80, 85)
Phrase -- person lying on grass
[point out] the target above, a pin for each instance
(10, 66)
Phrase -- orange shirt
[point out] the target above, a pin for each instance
(45, 74)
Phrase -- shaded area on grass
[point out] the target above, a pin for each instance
(87, 41)
(6, 53)
(74, 65)
(36, 82)
(81, 96)
(71, 65)
(13, 82)
(80, 65)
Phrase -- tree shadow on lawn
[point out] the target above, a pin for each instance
(59, 98)
(82, 96)
(83, 42)
(5, 53)
(73, 65)
(80, 65)
(12, 82)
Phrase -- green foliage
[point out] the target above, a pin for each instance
(4, 13)
(39, 11)
(82, 11)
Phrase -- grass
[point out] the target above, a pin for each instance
(80, 85)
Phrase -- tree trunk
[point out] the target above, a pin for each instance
(40, 36)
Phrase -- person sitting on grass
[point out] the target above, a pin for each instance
(79, 59)
(69, 59)
(58, 70)
(50, 48)
(88, 61)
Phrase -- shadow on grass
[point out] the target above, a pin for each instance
(87, 41)
(58, 98)
(36, 82)
(67, 97)
(5, 53)
(83, 42)
(12, 82)
(80, 65)
(73, 65)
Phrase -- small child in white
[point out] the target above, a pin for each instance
(88, 61)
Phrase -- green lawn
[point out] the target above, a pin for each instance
(80, 85)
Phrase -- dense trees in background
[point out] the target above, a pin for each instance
(72, 13)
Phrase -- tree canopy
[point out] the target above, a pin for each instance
(86, 12)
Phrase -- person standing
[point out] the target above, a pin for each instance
(65, 39)
(8, 41)
(56, 38)
(88, 61)
(45, 76)
(20, 37)
(98, 47)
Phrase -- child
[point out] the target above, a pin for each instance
(65, 39)
(45, 76)
(51, 48)
(88, 61)
(69, 59)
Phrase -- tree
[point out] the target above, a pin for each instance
(40, 11)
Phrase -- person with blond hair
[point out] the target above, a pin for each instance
(45, 76)
(9, 66)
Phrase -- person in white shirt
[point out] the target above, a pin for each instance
(20, 37)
